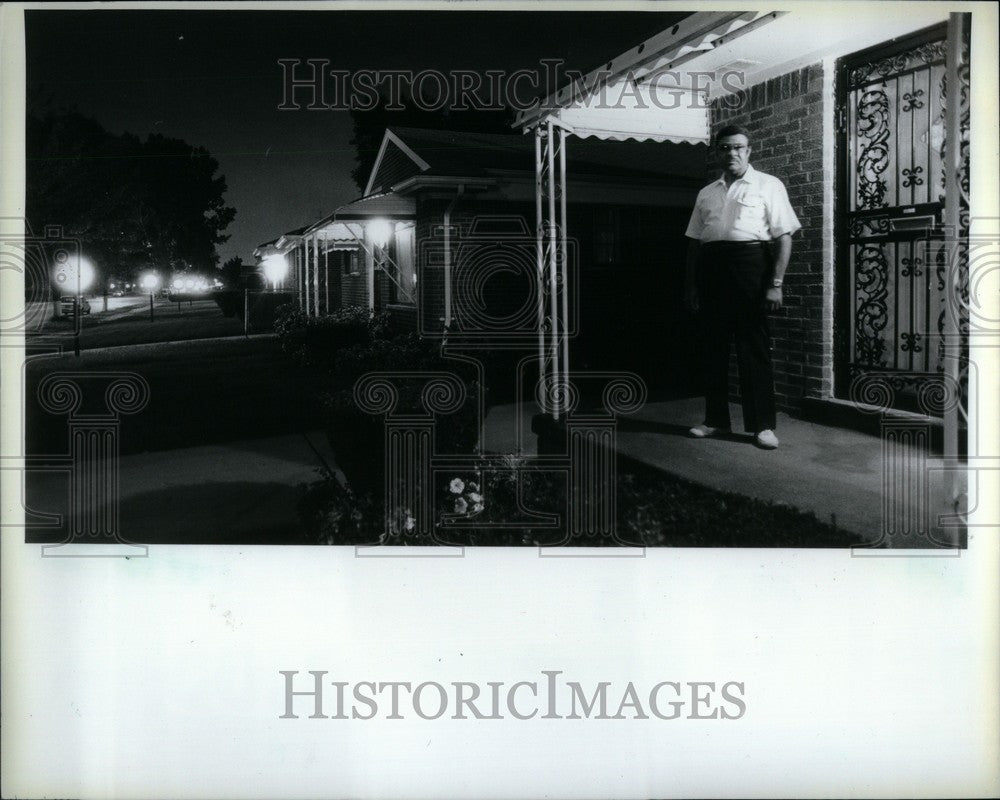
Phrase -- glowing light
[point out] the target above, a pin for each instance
(72, 273)
(149, 281)
(275, 268)
(379, 231)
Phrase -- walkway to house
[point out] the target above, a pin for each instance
(833, 472)
(237, 492)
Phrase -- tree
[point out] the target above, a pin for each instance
(232, 272)
(132, 203)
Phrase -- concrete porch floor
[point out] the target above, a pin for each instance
(835, 473)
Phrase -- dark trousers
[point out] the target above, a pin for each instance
(732, 281)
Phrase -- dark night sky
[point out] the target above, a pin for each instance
(212, 78)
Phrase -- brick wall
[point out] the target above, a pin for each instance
(784, 117)
(354, 289)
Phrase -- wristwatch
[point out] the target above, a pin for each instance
(776, 283)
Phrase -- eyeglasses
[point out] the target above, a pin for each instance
(731, 148)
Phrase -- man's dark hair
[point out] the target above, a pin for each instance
(732, 130)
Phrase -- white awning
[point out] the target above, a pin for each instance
(661, 89)
(637, 95)
(342, 232)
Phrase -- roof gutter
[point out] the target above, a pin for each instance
(421, 181)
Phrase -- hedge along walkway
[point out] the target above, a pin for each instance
(833, 473)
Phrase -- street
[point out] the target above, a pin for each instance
(128, 321)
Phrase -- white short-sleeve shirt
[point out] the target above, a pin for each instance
(754, 208)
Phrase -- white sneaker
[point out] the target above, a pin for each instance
(767, 440)
(705, 431)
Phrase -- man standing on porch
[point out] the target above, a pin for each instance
(741, 239)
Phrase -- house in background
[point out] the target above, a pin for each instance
(445, 240)
(276, 258)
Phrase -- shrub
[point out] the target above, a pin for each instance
(479, 507)
(315, 341)
(230, 302)
(358, 437)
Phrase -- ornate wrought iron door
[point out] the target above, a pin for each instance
(892, 251)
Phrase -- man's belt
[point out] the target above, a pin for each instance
(735, 244)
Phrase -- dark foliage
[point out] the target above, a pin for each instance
(131, 202)
(493, 507)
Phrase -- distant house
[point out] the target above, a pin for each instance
(444, 239)
(280, 252)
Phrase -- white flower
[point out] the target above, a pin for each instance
(457, 486)
(474, 486)
(410, 523)
(474, 497)
(477, 508)
(461, 506)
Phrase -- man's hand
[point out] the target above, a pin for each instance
(691, 302)
(772, 300)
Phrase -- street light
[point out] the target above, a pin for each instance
(150, 281)
(275, 269)
(72, 271)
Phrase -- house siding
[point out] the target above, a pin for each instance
(395, 167)
(785, 119)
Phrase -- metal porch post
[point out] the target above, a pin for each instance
(563, 253)
(540, 254)
(326, 274)
(315, 243)
(298, 273)
(550, 252)
(552, 269)
(305, 275)
(370, 277)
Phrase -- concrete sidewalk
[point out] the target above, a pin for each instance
(833, 472)
(233, 493)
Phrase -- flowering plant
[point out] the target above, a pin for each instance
(464, 498)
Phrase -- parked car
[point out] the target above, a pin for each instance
(68, 307)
